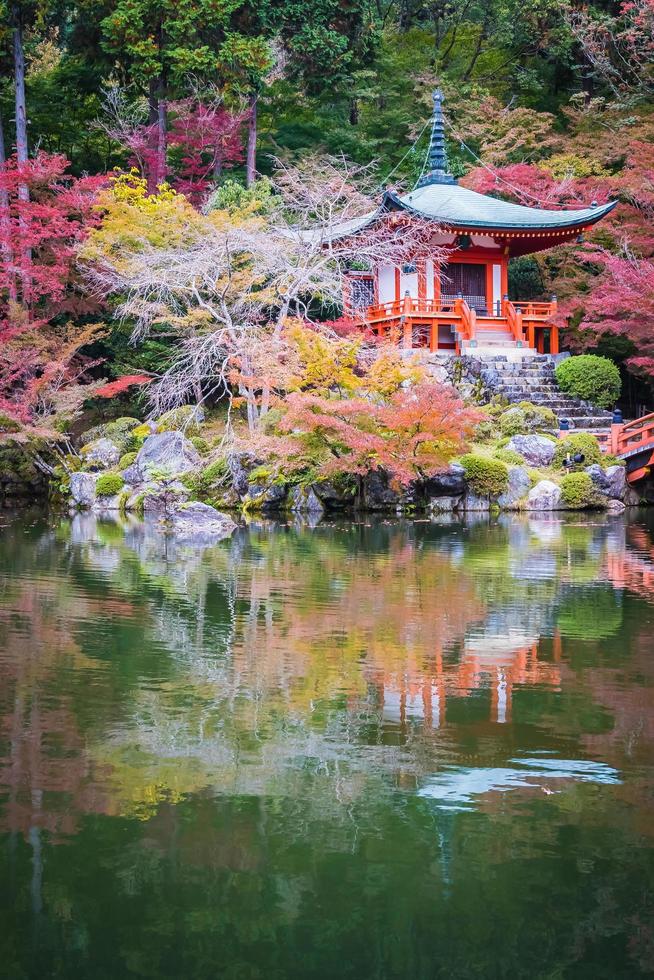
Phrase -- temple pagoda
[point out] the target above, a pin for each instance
(462, 303)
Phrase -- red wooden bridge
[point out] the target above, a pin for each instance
(634, 443)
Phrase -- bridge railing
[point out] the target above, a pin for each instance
(629, 437)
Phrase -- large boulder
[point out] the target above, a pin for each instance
(447, 484)
(444, 505)
(199, 524)
(118, 430)
(186, 418)
(535, 450)
(268, 497)
(611, 482)
(473, 502)
(82, 488)
(159, 500)
(335, 494)
(518, 487)
(132, 475)
(169, 452)
(378, 494)
(100, 454)
(240, 465)
(303, 500)
(546, 495)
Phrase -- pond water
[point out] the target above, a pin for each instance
(383, 749)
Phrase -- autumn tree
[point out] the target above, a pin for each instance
(228, 280)
(39, 235)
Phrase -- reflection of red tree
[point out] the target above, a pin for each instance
(46, 771)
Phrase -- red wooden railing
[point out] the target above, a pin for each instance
(522, 319)
(633, 436)
(513, 317)
(468, 319)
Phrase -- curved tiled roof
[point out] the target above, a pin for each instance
(450, 204)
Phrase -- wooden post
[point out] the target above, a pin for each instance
(617, 425)
(433, 336)
(554, 330)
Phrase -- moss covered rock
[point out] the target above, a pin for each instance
(577, 444)
(486, 477)
(578, 491)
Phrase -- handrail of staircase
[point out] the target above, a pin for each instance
(468, 319)
(513, 316)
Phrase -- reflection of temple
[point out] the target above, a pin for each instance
(498, 662)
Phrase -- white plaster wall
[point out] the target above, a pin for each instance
(497, 285)
(386, 284)
(409, 281)
(429, 276)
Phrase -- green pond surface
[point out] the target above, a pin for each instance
(384, 749)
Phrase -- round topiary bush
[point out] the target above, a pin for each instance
(595, 379)
(486, 477)
(579, 442)
(109, 484)
(200, 444)
(577, 490)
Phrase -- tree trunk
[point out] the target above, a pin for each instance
(161, 136)
(19, 77)
(21, 145)
(251, 157)
(354, 112)
(5, 222)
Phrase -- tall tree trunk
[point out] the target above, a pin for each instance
(19, 81)
(251, 156)
(5, 223)
(161, 135)
(21, 144)
(354, 111)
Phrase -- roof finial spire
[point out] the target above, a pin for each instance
(437, 172)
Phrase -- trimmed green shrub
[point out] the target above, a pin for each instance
(109, 484)
(578, 442)
(510, 457)
(577, 490)
(126, 460)
(200, 444)
(486, 477)
(593, 378)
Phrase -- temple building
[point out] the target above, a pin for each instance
(463, 302)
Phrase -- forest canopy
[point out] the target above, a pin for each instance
(192, 106)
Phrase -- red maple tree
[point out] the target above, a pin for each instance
(413, 435)
(39, 234)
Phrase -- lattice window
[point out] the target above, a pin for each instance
(362, 292)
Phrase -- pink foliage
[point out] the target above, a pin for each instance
(121, 385)
(44, 215)
(202, 140)
(411, 436)
(208, 139)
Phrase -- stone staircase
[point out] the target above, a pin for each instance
(532, 379)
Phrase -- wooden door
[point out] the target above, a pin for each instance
(467, 279)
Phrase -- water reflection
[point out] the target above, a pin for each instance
(297, 693)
